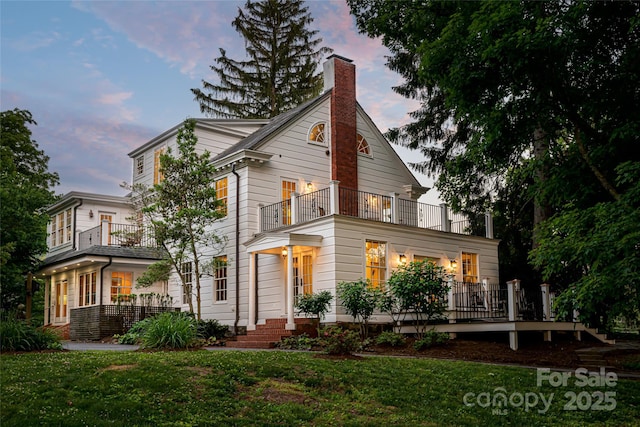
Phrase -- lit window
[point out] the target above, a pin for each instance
(187, 281)
(469, 267)
(363, 146)
(220, 278)
(288, 188)
(376, 267)
(158, 176)
(222, 193)
(54, 232)
(121, 286)
(87, 289)
(317, 135)
(432, 260)
(140, 165)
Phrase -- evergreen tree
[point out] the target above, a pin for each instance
(280, 70)
(25, 190)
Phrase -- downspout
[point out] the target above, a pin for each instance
(235, 324)
(75, 221)
(102, 278)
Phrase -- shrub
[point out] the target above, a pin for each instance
(430, 339)
(170, 330)
(17, 335)
(297, 342)
(135, 332)
(211, 328)
(316, 304)
(359, 300)
(335, 340)
(391, 339)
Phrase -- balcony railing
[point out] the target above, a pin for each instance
(373, 207)
(111, 234)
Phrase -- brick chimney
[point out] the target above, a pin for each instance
(340, 77)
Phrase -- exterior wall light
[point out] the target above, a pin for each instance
(453, 264)
(403, 259)
(90, 213)
(284, 252)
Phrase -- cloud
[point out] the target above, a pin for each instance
(34, 41)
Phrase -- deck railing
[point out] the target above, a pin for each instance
(112, 234)
(370, 206)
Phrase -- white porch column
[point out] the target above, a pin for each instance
(394, 207)
(511, 302)
(512, 298)
(291, 325)
(444, 217)
(251, 325)
(47, 298)
(104, 233)
(334, 194)
(259, 217)
(294, 208)
(451, 304)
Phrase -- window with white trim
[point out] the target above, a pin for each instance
(222, 192)
(61, 230)
(363, 146)
(186, 271)
(87, 289)
(376, 263)
(220, 278)
(469, 267)
(317, 134)
(121, 286)
(139, 165)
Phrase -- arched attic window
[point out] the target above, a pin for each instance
(317, 134)
(363, 146)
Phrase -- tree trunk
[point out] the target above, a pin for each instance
(541, 209)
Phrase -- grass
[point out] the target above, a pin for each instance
(235, 388)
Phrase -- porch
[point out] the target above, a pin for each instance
(336, 200)
(118, 235)
(99, 321)
(488, 307)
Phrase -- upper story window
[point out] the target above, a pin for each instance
(140, 165)
(158, 176)
(376, 263)
(288, 188)
(222, 191)
(469, 267)
(317, 134)
(61, 231)
(363, 146)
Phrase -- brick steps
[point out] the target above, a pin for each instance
(268, 334)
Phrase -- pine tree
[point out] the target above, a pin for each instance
(280, 70)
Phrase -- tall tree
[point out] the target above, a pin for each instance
(182, 209)
(280, 71)
(527, 102)
(25, 190)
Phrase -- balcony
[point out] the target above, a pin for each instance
(302, 208)
(120, 235)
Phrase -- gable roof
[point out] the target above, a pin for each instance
(274, 125)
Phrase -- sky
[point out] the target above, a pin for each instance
(101, 78)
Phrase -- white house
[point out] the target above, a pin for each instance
(315, 196)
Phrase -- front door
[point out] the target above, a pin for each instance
(61, 301)
(302, 274)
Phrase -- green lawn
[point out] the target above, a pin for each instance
(228, 388)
